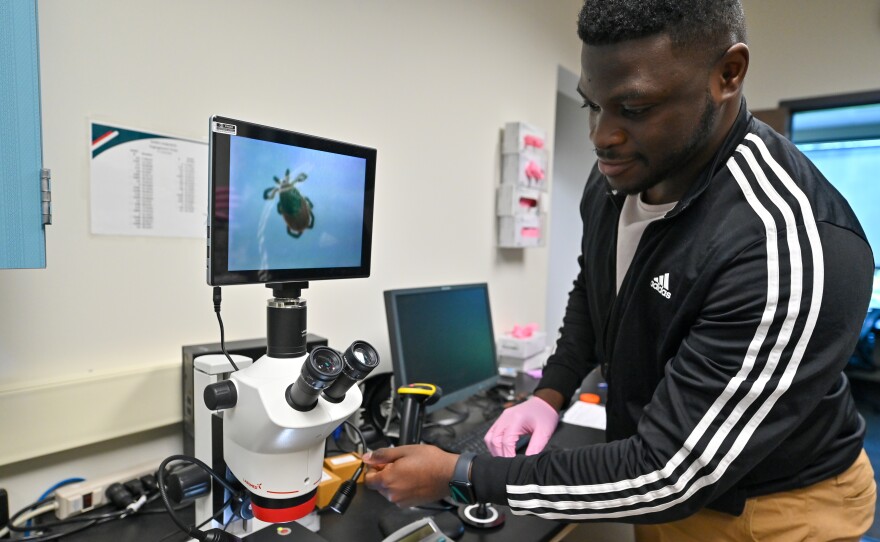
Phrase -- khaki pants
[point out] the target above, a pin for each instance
(838, 509)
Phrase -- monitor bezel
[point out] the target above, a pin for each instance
(821, 103)
(398, 364)
(218, 229)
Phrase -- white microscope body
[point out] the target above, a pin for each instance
(278, 412)
(272, 448)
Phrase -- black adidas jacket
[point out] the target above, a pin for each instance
(730, 386)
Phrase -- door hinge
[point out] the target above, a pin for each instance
(46, 195)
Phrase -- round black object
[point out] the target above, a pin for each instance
(221, 395)
(323, 364)
(481, 516)
(119, 495)
(320, 369)
(188, 483)
(359, 359)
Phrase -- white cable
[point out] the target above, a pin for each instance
(135, 506)
(28, 516)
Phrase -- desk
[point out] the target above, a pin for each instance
(360, 522)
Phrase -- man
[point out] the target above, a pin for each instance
(721, 290)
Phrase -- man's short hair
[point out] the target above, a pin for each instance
(712, 25)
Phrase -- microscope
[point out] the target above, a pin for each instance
(272, 417)
(278, 412)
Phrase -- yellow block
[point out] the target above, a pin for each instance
(344, 465)
(327, 488)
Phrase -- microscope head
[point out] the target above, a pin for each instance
(274, 433)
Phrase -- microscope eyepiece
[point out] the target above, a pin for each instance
(359, 359)
(320, 369)
(324, 364)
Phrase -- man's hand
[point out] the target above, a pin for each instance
(537, 417)
(410, 475)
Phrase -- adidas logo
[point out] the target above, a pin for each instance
(661, 284)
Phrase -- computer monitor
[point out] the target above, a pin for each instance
(286, 206)
(875, 296)
(443, 335)
(841, 136)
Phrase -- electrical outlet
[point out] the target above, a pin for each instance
(84, 496)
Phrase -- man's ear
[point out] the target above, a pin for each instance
(729, 73)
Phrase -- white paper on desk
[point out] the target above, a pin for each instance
(585, 415)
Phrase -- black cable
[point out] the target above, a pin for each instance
(155, 496)
(202, 524)
(217, 299)
(56, 536)
(360, 435)
(90, 521)
(117, 514)
(11, 524)
(68, 521)
(192, 531)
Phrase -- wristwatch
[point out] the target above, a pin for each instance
(460, 486)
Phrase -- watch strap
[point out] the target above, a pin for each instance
(460, 485)
(462, 472)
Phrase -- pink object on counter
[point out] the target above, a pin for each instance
(524, 332)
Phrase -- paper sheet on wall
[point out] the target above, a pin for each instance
(585, 415)
(147, 184)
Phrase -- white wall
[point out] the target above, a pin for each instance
(807, 48)
(573, 158)
(429, 84)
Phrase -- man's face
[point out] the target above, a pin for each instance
(653, 120)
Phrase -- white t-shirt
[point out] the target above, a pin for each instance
(634, 218)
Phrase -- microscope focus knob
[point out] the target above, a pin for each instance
(221, 395)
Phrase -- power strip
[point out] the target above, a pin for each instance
(84, 496)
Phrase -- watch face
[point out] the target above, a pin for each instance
(462, 492)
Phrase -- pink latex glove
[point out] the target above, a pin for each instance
(534, 416)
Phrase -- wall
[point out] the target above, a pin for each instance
(573, 158)
(90, 347)
(806, 48)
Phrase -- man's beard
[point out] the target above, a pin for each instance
(679, 157)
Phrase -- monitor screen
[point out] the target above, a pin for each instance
(286, 206)
(443, 335)
(875, 296)
(843, 140)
